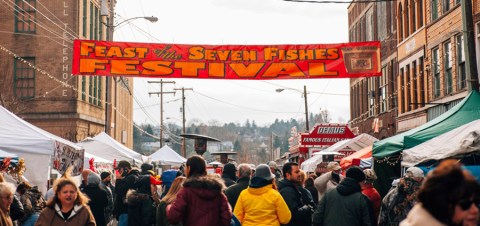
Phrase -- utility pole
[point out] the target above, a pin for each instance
(184, 153)
(160, 94)
(306, 107)
(108, 79)
(469, 43)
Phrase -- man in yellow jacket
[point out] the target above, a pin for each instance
(261, 204)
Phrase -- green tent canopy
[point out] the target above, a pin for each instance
(464, 112)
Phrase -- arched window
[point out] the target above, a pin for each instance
(413, 16)
(400, 23)
(406, 23)
(420, 13)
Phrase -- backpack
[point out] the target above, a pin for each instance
(37, 199)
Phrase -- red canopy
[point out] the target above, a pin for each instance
(362, 154)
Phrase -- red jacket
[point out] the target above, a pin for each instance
(372, 194)
(201, 202)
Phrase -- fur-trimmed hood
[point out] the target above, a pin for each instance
(206, 187)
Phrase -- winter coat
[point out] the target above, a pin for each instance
(161, 215)
(121, 189)
(325, 182)
(16, 209)
(109, 208)
(80, 216)
(398, 202)
(98, 202)
(372, 194)
(301, 212)
(233, 192)
(201, 202)
(313, 191)
(141, 209)
(419, 216)
(228, 182)
(344, 206)
(261, 207)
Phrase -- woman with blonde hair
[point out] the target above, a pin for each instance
(7, 190)
(161, 214)
(67, 207)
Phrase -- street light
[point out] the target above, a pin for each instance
(306, 102)
(152, 19)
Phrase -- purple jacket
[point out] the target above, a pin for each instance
(201, 202)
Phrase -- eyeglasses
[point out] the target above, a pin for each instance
(465, 204)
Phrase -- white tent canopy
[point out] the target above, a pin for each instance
(462, 140)
(167, 156)
(105, 151)
(105, 138)
(357, 143)
(34, 145)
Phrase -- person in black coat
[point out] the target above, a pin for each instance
(98, 198)
(229, 174)
(125, 181)
(288, 187)
(232, 193)
(309, 185)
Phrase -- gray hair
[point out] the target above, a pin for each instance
(244, 170)
(7, 187)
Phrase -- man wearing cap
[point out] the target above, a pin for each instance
(329, 180)
(125, 181)
(301, 211)
(345, 205)
(401, 199)
(232, 192)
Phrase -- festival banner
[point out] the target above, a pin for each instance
(255, 62)
(66, 156)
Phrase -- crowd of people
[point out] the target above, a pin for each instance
(246, 195)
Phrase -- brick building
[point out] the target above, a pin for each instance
(36, 59)
(372, 100)
(430, 76)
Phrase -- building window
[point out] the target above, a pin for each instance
(84, 18)
(420, 13)
(445, 5)
(462, 75)
(413, 16)
(25, 16)
(447, 50)
(400, 23)
(421, 82)
(24, 78)
(434, 9)
(84, 84)
(436, 72)
(91, 21)
(99, 91)
(371, 96)
(406, 24)
(408, 89)
(384, 91)
(414, 82)
(400, 92)
(90, 90)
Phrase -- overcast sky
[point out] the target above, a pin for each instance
(239, 22)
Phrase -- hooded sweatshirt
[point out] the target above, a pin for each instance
(201, 202)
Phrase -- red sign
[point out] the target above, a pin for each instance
(326, 135)
(360, 59)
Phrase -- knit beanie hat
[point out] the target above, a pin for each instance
(355, 173)
(104, 175)
(93, 178)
